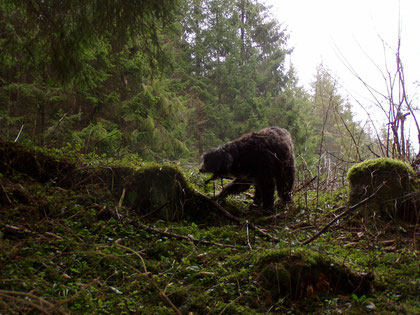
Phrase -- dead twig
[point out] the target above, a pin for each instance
(32, 300)
(20, 131)
(5, 193)
(235, 219)
(247, 235)
(122, 198)
(164, 233)
(179, 236)
(305, 184)
(155, 210)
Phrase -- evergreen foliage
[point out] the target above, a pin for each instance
(58, 40)
(164, 79)
(235, 67)
(333, 139)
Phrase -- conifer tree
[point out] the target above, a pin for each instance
(235, 66)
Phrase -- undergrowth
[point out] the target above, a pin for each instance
(80, 250)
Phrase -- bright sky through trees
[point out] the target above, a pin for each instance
(335, 32)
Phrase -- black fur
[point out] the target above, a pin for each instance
(263, 158)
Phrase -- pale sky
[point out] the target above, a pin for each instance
(329, 31)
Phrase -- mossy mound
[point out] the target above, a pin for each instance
(399, 196)
(15, 158)
(304, 274)
(158, 191)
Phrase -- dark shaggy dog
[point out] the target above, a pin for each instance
(263, 158)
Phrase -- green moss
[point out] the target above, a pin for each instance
(307, 257)
(60, 245)
(367, 167)
(296, 273)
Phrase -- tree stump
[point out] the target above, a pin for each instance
(397, 199)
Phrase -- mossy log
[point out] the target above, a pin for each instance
(399, 196)
(35, 164)
(155, 190)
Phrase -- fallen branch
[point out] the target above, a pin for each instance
(30, 299)
(350, 209)
(164, 233)
(235, 219)
(222, 210)
(178, 236)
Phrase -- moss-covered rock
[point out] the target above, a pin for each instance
(399, 196)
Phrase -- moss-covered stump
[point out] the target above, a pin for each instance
(305, 274)
(154, 190)
(399, 196)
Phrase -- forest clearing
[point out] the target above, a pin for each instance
(135, 138)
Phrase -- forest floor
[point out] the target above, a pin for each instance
(72, 240)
